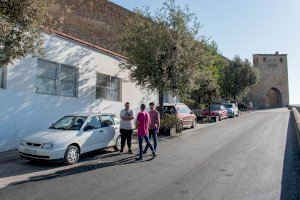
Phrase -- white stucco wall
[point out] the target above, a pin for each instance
(23, 111)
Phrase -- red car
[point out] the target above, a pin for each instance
(216, 110)
(182, 112)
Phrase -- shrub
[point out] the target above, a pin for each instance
(242, 106)
(202, 106)
(170, 121)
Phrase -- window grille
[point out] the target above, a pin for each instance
(56, 79)
(108, 87)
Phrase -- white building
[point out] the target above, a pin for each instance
(71, 77)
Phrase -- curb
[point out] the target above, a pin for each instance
(296, 119)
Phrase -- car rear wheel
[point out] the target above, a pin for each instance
(117, 147)
(72, 155)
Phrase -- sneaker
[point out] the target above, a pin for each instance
(121, 152)
(154, 154)
(144, 152)
(139, 158)
(129, 151)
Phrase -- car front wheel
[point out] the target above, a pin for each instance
(117, 147)
(72, 155)
(194, 124)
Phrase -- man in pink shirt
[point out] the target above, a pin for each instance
(142, 124)
(153, 127)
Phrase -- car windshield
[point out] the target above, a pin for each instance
(228, 106)
(170, 110)
(214, 107)
(69, 123)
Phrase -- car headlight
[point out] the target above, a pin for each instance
(47, 146)
(23, 142)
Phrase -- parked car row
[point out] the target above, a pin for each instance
(222, 111)
(74, 135)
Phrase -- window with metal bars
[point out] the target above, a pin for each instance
(56, 79)
(108, 87)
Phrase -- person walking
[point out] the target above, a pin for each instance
(126, 127)
(250, 106)
(142, 123)
(153, 126)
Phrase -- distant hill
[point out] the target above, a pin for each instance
(99, 22)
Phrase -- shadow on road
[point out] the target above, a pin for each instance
(17, 166)
(290, 183)
(12, 165)
(85, 168)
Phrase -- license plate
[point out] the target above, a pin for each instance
(31, 151)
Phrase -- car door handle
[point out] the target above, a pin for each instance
(101, 131)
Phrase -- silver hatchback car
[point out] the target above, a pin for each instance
(232, 110)
(72, 136)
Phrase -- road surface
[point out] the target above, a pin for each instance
(251, 157)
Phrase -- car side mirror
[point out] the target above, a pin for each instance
(88, 128)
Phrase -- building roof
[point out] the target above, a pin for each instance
(82, 42)
(97, 22)
(264, 54)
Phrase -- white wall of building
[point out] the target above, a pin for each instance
(23, 111)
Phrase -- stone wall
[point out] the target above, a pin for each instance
(273, 82)
(296, 117)
(99, 22)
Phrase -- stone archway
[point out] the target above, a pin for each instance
(274, 99)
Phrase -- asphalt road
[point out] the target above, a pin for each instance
(251, 157)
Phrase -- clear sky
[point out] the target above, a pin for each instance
(243, 27)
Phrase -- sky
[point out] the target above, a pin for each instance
(243, 27)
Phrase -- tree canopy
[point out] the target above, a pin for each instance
(20, 27)
(163, 50)
(238, 76)
(208, 81)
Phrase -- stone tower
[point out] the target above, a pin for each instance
(272, 89)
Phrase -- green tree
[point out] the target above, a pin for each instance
(163, 51)
(208, 86)
(20, 27)
(208, 81)
(237, 78)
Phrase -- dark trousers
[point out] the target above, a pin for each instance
(153, 135)
(126, 135)
(146, 137)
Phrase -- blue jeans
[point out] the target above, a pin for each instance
(141, 144)
(153, 134)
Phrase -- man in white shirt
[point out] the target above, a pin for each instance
(126, 127)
